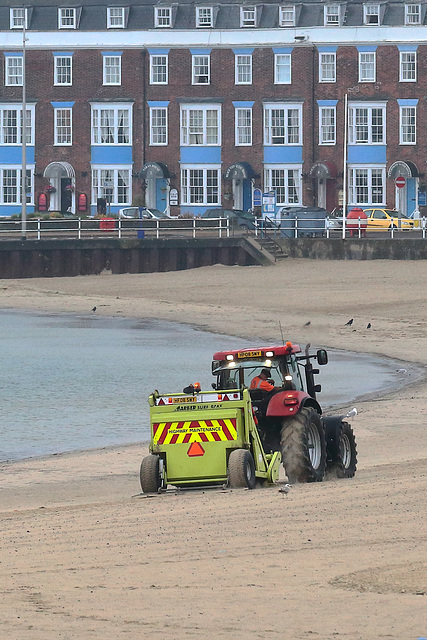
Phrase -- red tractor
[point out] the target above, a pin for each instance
(287, 414)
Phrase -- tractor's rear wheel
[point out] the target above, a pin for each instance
(241, 469)
(150, 474)
(343, 452)
(303, 446)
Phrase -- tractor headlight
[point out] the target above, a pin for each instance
(230, 357)
(268, 363)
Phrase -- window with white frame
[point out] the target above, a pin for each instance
(282, 124)
(243, 69)
(408, 66)
(287, 16)
(282, 68)
(286, 182)
(18, 17)
(158, 69)
(200, 69)
(63, 126)
(247, 16)
(371, 14)
(367, 66)
(366, 186)
(11, 125)
(327, 125)
(112, 69)
(112, 184)
(332, 15)
(163, 16)
(67, 18)
(63, 70)
(200, 185)
(327, 67)
(408, 125)
(366, 124)
(200, 125)
(158, 125)
(204, 17)
(243, 126)
(111, 124)
(412, 14)
(14, 71)
(11, 184)
(115, 17)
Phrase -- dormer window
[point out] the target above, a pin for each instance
(371, 14)
(332, 15)
(412, 14)
(67, 18)
(204, 17)
(163, 16)
(18, 17)
(115, 17)
(287, 16)
(247, 16)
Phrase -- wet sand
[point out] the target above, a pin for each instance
(85, 555)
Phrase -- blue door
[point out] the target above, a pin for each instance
(161, 193)
(247, 195)
(410, 196)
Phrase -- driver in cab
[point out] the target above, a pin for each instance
(263, 381)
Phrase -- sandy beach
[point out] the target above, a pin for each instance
(85, 555)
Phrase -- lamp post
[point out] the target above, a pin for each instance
(24, 141)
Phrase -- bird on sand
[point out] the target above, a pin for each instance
(285, 489)
(94, 309)
(307, 324)
(349, 323)
(352, 413)
(368, 326)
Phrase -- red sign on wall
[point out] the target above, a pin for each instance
(400, 182)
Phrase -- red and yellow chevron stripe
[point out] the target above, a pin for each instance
(194, 431)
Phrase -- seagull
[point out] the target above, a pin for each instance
(285, 489)
(349, 323)
(352, 413)
(368, 326)
(307, 324)
(94, 309)
(401, 371)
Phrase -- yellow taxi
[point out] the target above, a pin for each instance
(387, 219)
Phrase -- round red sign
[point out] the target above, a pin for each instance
(400, 182)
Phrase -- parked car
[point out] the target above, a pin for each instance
(380, 219)
(237, 217)
(143, 213)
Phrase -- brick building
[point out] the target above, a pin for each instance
(130, 101)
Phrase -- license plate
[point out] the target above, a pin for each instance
(181, 400)
(249, 354)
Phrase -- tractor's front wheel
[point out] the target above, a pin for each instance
(150, 473)
(241, 469)
(303, 446)
(342, 451)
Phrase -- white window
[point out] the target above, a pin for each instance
(286, 182)
(282, 68)
(112, 70)
(11, 185)
(408, 125)
(367, 66)
(204, 17)
(408, 66)
(115, 17)
(371, 14)
(332, 15)
(14, 71)
(287, 16)
(163, 16)
(67, 18)
(366, 186)
(112, 184)
(327, 67)
(63, 70)
(200, 185)
(243, 71)
(412, 14)
(243, 126)
(200, 125)
(11, 125)
(201, 69)
(247, 16)
(158, 125)
(18, 17)
(111, 124)
(63, 126)
(327, 122)
(158, 69)
(366, 124)
(282, 124)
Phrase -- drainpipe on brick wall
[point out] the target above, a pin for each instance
(313, 118)
(144, 103)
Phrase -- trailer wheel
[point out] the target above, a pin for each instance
(303, 446)
(342, 451)
(241, 469)
(150, 474)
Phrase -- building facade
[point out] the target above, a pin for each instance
(206, 102)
